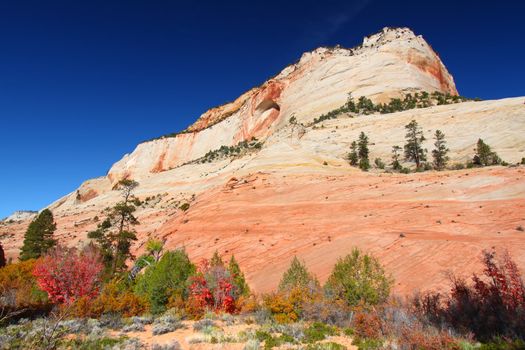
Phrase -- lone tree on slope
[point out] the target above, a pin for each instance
(413, 148)
(39, 236)
(115, 234)
(364, 162)
(439, 153)
(353, 157)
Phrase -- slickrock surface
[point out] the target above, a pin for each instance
(297, 195)
(388, 64)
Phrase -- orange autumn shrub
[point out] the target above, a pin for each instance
(114, 298)
(19, 292)
(287, 306)
(367, 324)
(247, 304)
(426, 339)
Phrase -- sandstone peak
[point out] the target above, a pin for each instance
(388, 64)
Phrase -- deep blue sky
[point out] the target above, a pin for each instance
(82, 82)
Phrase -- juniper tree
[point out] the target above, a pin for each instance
(362, 152)
(115, 234)
(39, 236)
(359, 278)
(413, 148)
(353, 157)
(439, 153)
(297, 276)
(216, 259)
(238, 277)
(484, 155)
(395, 157)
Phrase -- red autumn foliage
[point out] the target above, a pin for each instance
(212, 288)
(492, 305)
(67, 275)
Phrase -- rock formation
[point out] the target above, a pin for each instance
(297, 194)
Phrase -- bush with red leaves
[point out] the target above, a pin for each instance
(67, 275)
(213, 288)
(492, 305)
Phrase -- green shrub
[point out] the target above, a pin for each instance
(297, 276)
(359, 277)
(484, 155)
(165, 279)
(368, 344)
(184, 206)
(326, 346)
(379, 163)
(318, 331)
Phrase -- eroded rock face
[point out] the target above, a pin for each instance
(297, 195)
(388, 64)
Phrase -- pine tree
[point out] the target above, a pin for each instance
(353, 158)
(216, 259)
(395, 157)
(238, 277)
(440, 152)
(39, 236)
(2, 257)
(364, 162)
(297, 276)
(484, 155)
(413, 148)
(115, 234)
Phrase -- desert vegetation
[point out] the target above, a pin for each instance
(100, 296)
(68, 299)
(415, 153)
(365, 106)
(228, 152)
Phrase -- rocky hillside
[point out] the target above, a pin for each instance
(266, 189)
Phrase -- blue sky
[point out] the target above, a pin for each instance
(82, 82)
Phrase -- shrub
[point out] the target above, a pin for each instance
(19, 292)
(492, 305)
(326, 346)
(318, 331)
(133, 327)
(484, 155)
(368, 344)
(115, 298)
(297, 276)
(367, 324)
(427, 339)
(166, 324)
(379, 163)
(359, 278)
(327, 310)
(247, 304)
(66, 275)
(213, 288)
(200, 325)
(173, 345)
(167, 278)
(184, 206)
(284, 307)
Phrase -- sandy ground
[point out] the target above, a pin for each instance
(184, 336)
